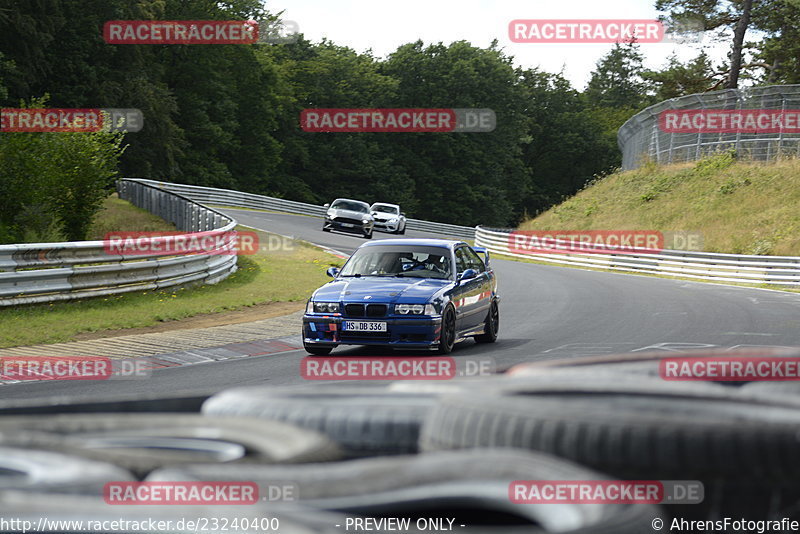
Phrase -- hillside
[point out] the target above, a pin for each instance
(738, 207)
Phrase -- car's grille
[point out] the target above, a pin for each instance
(369, 335)
(376, 310)
(360, 310)
(346, 220)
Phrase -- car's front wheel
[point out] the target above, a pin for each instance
(403, 231)
(326, 229)
(447, 339)
(317, 351)
(490, 326)
(368, 235)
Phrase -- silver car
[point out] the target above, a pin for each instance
(348, 215)
(388, 217)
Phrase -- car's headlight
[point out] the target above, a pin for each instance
(322, 307)
(365, 221)
(414, 309)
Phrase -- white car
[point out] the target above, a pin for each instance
(388, 217)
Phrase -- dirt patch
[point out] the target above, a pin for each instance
(245, 315)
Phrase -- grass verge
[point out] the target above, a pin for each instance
(121, 216)
(266, 277)
(739, 207)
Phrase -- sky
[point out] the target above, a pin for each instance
(383, 25)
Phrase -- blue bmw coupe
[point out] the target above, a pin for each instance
(405, 293)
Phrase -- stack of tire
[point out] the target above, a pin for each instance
(422, 450)
(54, 468)
(612, 415)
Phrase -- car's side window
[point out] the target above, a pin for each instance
(475, 261)
(462, 260)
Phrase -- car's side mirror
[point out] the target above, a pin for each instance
(467, 275)
(326, 205)
(402, 214)
(333, 272)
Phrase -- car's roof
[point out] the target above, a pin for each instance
(444, 243)
(386, 204)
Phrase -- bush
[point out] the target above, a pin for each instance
(53, 184)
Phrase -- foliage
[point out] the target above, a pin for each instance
(228, 115)
(53, 184)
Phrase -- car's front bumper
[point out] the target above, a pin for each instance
(390, 226)
(361, 228)
(402, 332)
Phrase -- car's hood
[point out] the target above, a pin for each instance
(348, 214)
(380, 289)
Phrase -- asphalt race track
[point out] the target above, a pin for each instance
(545, 312)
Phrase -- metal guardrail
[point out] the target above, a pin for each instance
(228, 197)
(641, 138)
(48, 272)
(773, 270)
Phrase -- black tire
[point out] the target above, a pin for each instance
(56, 472)
(472, 487)
(634, 427)
(325, 229)
(491, 325)
(363, 421)
(368, 235)
(141, 443)
(447, 338)
(783, 391)
(403, 232)
(636, 363)
(188, 403)
(316, 350)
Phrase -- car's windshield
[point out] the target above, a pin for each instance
(350, 205)
(400, 261)
(383, 208)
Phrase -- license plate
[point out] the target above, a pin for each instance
(348, 225)
(364, 326)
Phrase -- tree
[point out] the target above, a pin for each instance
(52, 184)
(679, 79)
(464, 178)
(778, 53)
(6, 68)
(617, 81)
(566, 144)
(717, 15)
